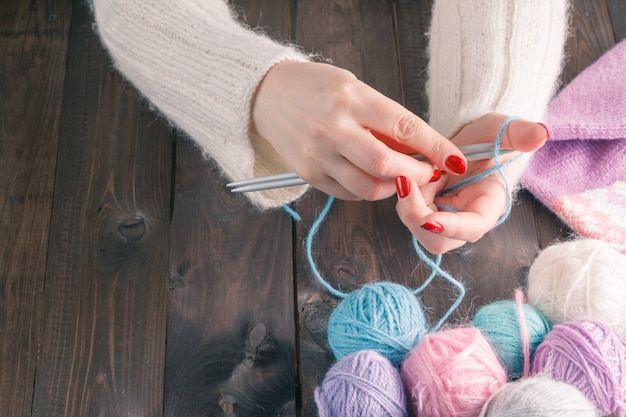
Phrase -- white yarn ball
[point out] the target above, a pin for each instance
(538, 396)
(580, 280)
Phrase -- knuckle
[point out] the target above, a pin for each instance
(405, 127)
(342, 93)
(372, 193)
(381, 164)
(410, 219)
(437, 147)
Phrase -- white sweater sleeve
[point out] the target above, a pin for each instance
(493, 56)
(199, 67)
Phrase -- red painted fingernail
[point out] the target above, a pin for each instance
(547, 130)
(436, 175)
(456, 164)
(433, 227)
(403, 185)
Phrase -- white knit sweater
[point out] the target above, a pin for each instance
(200, 67)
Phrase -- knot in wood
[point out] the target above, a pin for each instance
(133, 228)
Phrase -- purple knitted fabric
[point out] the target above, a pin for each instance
(580, 174)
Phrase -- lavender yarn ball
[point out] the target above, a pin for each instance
(499, 322)
(364, 384)
(538, 396)
(590, 357)
(383, 317)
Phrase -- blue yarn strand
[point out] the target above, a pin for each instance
(433, 264)
(437, 270)
(294, 214)
(309, 249)
(498, 167)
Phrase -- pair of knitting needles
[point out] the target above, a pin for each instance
(473, 152)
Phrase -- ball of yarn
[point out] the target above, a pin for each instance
(589, 356)
(580, 280)
(499, 322)
(384, 317)
(363, 384)
(451, 373)
(538, 396)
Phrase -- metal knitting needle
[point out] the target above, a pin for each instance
(473, 152)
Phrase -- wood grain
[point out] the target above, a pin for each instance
(33, 40)
(359, 242)
(617, 13)
(105, 300)
(133, 283)
(231, 347)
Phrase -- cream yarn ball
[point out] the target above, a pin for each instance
(538, 396)
(582, 279)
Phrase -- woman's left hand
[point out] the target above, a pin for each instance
(479, 204)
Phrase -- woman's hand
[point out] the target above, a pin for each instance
(320, 119)
(480, 204)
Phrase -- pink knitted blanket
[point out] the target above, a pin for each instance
(580, 174)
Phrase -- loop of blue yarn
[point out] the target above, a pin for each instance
(499, 166)
(376, 333)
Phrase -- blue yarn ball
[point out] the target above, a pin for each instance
(499, 323)
(384, 317)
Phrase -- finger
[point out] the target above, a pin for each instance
(360, 183)
(476, 218)
(339, 177)
(376, 159)
(520, 135)
(330, 186)
(414, 212)
(462, 226)
(406, 131)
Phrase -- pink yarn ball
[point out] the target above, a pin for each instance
(452, 373)
(589, 356)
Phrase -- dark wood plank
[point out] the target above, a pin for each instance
(105, 302)
(412, 26)
(33, 41)
(617, 11)
(231, 348)
(359, 242)
(591, 34)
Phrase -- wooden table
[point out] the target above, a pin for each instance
(132, 283)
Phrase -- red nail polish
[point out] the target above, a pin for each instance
(547, 130)
(436, 176)
(433, 227)
(403, 185)
(456, 164)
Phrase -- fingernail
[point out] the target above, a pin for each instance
(456, 164)
(547, 130)
(403, 185)
(433, 227)
(436, 175)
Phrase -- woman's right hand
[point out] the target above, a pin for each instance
(320, 119)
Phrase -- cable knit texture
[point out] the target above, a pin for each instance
(581, 172)
(493, 56)
(199, 67)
